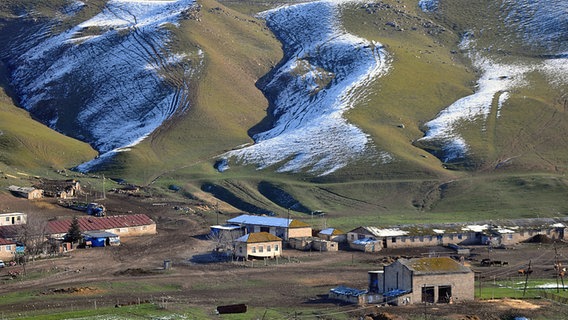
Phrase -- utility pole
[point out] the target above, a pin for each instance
(527, 271)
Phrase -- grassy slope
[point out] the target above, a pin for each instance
(238, 51)
(27, 145)
(427, 74)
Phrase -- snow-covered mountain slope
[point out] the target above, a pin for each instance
(102, 81)
(538, 24)
(324, 72)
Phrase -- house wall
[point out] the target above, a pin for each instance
(462, 285)
(134, 231)
(7, 219)
(396, 276)
(366, 247)
(299, 232)
(7, 252)
(323, 245)
(433, 240)
(358, 234)
(35, 194)
(360, 300)
(270, 249)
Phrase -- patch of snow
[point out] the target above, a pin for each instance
(323, 75)
(558, 225)
(476, 228)
(439, 231)
(497, 80)
(428, 5)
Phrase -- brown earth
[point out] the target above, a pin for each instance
(133, 272)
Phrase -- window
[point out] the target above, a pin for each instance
(260, 249)
(510, 236)
(8, 248)
(8, 219)
(268, 248)
(393, 240)
(253, 249)
(19, 218)
(460, 236)
(275, 247)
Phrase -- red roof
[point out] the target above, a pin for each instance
(6, 242)
(104, 223)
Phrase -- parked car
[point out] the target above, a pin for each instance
(2, 264)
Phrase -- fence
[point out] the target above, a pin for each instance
(555, 297)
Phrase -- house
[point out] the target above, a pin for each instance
(60, 188)
(7, 249)
(424, 280)
(124, 225)
(281, 227)
(366, 245)
(14, 218)
(258, 245)
(100, 239)
(332, 234)
(349, 295)
(29, 193)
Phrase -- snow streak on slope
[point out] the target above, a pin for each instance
(108, 68)
(322, 76)
(498, 79)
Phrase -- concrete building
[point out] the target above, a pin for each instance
(258, 245)
(14, 218)
(424, 280)
(281, 227)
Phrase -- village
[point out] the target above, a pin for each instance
(433, 264)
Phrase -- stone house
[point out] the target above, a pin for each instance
(29, 193)
(425, 280)
(258, 245)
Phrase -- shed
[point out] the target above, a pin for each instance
(100, 238)
(332, 234)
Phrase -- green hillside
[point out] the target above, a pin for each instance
(516, 165)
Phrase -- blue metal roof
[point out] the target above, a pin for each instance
(261, 221)
(348, 291)
(365, 241)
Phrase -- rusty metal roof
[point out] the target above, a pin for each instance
(94, 223)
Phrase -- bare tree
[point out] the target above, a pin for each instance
(33, 235)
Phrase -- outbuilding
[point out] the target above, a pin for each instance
(100, 239)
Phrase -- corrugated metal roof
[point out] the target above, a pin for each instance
(104, 223)
(435, 265)
(258, 237)
(267, 221)
(348, 291)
